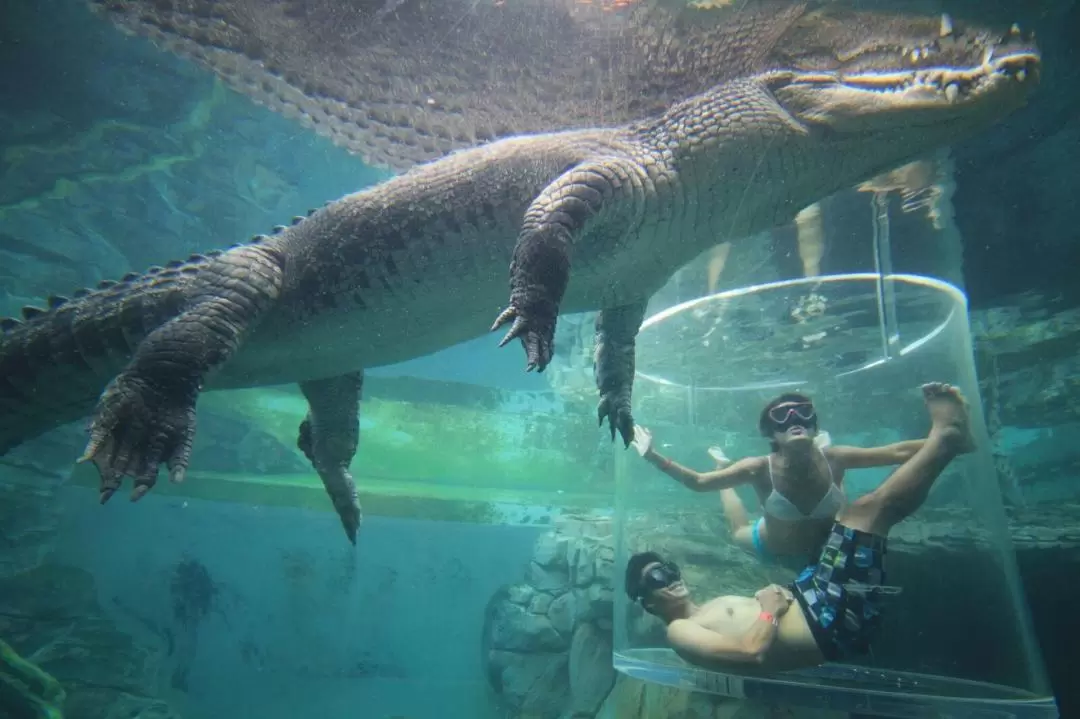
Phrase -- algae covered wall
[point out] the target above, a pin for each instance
(447, 432)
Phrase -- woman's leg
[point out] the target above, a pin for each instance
(737, 519)
(744, 538)
(905, 490)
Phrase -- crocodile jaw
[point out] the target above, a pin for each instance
(926, 97)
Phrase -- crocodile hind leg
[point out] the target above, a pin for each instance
(556, 219)
(613, 365)
(328, 438)
(146, 415)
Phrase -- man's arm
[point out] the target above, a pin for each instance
(884, 456)
(741, 472)
(695, 642)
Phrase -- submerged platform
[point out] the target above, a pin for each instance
(379, 496)
(845, 688)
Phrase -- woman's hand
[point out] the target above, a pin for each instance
(642, 440)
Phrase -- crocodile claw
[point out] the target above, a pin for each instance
(137, 427)
(537, 336)
(618, 416)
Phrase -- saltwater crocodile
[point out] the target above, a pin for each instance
(417, 263)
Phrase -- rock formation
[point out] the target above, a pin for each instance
(547, 639)
(51, 616)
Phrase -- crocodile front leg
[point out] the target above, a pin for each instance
(540, 268)
(613, 365)
(328, 438)
(146, 415)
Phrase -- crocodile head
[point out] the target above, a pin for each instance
(863, 74)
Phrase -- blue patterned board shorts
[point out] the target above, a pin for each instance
(838, 594)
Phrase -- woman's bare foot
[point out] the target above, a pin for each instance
(949, 416)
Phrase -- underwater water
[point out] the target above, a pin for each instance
(487, 578)
(300, 624)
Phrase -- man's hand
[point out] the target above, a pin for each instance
(774, 599)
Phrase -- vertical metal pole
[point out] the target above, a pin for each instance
(691, 402)
(620, 638)
(886, 293)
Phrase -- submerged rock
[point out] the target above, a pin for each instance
(51, 614)
(532, 683)
(550, 661)
(26, 690)
(591, 672)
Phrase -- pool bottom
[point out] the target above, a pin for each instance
(846, 688)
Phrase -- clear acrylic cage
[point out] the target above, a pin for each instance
(957, 639)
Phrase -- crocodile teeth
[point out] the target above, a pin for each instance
(952, 91)
(946, 25)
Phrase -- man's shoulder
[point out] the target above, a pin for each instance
(679, 631)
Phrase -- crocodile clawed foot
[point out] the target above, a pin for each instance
(537, 335)
(348, 510)
(618, 416)
(138, 426)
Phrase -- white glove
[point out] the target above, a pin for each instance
(718, 456)
(822, 440)
(642, 440)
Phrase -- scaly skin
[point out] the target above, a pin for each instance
(407, 86)
(601, 218)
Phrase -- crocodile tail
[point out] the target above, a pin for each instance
(55, 361)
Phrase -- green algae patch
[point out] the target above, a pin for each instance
(428, 449)
(26, 691)
(421, 432)
(378, 497)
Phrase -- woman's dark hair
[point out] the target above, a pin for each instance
(765, 423)
(634, 566)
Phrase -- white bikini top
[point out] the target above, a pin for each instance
(779, 506)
